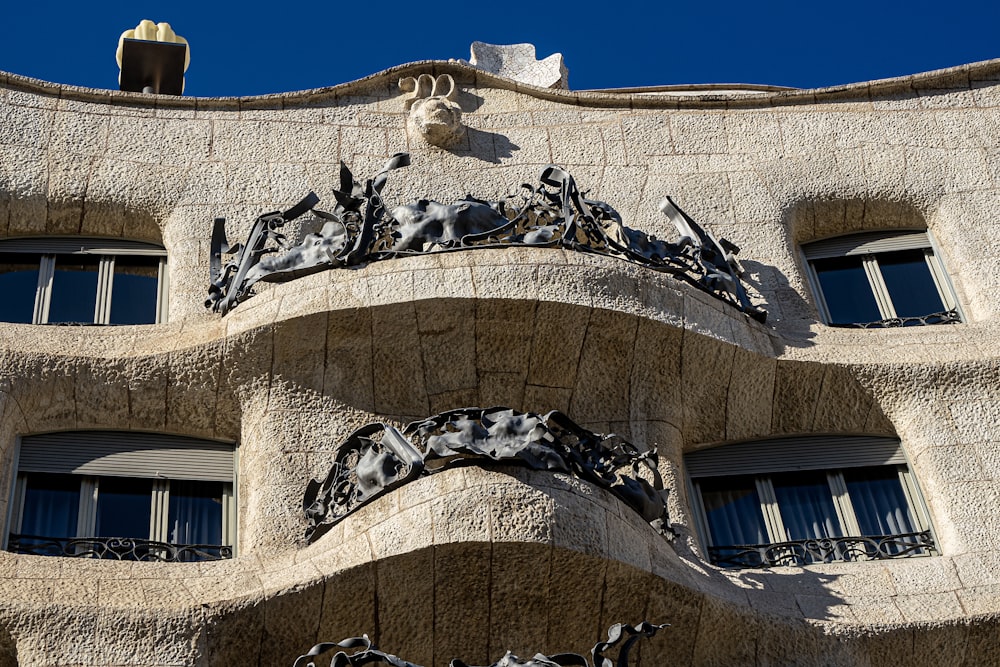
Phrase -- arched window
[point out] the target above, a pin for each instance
(82, 281)
(123, 495)
(880, 279)
(809, 499)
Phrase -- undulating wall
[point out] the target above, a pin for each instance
(472, 562)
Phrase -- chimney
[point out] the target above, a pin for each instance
(152, 59)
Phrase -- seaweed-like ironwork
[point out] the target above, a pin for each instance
(621, 639)
(378, 458)
(554, 213)
(117, 548)
(943, 317)
(824, 550)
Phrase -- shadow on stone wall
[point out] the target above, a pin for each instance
(74, 214)
(817, 219)
(8, 649)
(490, 147)
(470, 102)
(475, 601)
(790, 316)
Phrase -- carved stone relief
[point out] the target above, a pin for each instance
(433, 116)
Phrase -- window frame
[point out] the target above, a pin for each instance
(126, 445)
(868, 246)
(831, 455)
(48, 249)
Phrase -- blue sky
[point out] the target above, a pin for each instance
(258, 47)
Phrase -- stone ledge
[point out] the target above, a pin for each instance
(941, 80)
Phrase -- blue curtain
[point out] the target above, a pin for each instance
(806, 505)
(195, 514)
(879, 501)
(732, 508)
(51, 505)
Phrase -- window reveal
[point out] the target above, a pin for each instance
(82, 281)
(880, 279)
(796, 501)
(127, 496)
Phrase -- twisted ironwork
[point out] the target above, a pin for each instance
(117, 548)
(824, 550)
(555, 213)
(378, 458)
(613, 652)
(944, 317)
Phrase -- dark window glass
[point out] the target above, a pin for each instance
(195, 515)
(18, 285)
(74, 289)
(732, 508)
(846, 290)
(133, 291)
(123, 507)
(806, 505)
(51, 505)
(911, 287)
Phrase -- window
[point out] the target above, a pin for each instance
(880, 279)
(121, 495)
(796, 501)
(82, 281)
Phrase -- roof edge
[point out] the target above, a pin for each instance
(651, 97)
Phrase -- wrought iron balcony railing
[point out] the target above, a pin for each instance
(824, 550)
(116, 548)
(944, 317)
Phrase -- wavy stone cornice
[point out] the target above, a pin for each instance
(959, 77)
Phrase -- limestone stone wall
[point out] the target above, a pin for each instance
(473, 562)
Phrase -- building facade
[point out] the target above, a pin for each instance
(833, 488)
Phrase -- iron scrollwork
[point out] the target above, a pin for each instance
(117, 548)
(621, 639)
(555, 213)
(824, 550)
(378, 458)
(943, 317)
